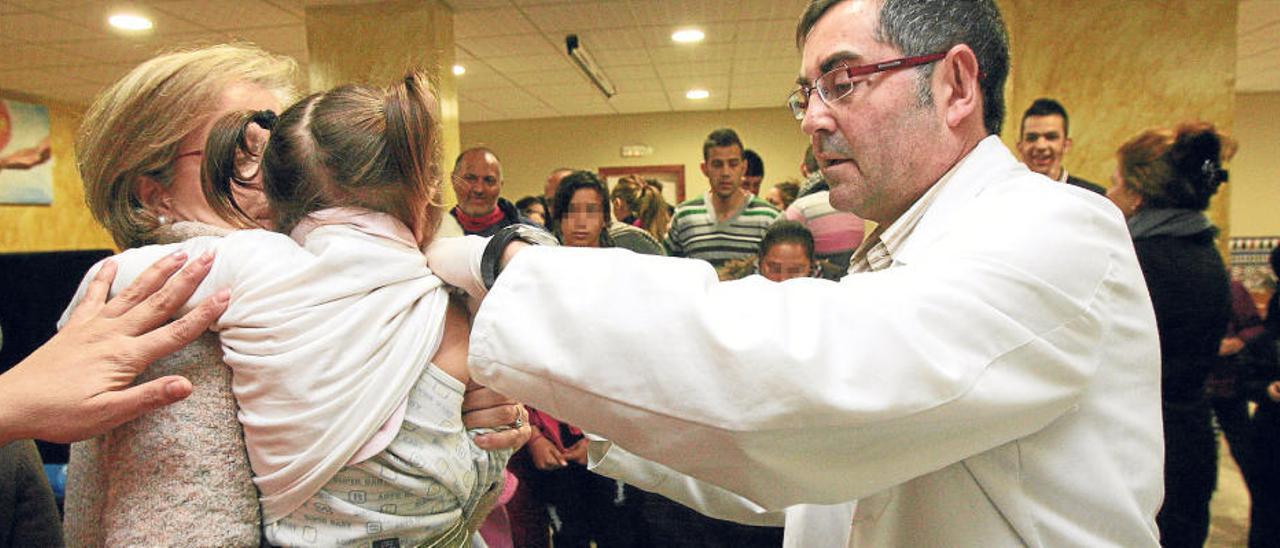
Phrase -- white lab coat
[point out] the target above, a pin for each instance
(999, 386)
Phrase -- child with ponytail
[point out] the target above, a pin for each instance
(348, 358)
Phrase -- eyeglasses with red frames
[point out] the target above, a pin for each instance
(836, 83)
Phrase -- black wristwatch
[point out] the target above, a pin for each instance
(491, 260)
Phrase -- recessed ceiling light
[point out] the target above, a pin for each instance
(697, 94)
(459, 70)
(129, 21)
(686, 36)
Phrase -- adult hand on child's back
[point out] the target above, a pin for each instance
(485, 408)
(77, 385)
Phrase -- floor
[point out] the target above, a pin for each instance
(1229, 511)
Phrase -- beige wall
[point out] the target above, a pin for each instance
(530, 149)
(66, 224)
(1154, 63)
(1255, 173)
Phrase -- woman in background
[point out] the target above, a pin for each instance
(639, 204)
(1163, 185)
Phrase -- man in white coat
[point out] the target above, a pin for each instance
(988, 375)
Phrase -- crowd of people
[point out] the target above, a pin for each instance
(886, 344)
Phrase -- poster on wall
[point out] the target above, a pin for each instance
(26, 169)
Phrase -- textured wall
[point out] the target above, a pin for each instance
(66, 224)
(1122, 67)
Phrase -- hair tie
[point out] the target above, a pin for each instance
(264, 118)
(1212, 173)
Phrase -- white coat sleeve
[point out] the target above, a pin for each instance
(810, 391)
(610, 460)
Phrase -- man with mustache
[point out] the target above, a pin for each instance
(970, 383)
(727, 222)
(1043, 143)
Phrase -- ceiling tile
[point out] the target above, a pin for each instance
(490, 22)
(230, 14)
(683, 12)
(19, 55)
(703, 68)
(601, 40)
(716, 33)
(645, 101)
(720, 53)
(533, 63)
(94, 17)
(498, 46)
(614, 57)
(136, 50)
(100, 73)
(40, 28)
(641, 85)
(579, 17)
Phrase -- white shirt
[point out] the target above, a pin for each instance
(998, 386)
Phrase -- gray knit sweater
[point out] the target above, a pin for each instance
(178, 476)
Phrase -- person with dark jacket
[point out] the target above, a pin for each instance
(1163, 185)
(477, 181)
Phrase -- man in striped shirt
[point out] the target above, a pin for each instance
(725, 223)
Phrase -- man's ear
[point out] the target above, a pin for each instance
(957, 85)
(154, 196)
(705, 172)
(1066, 145)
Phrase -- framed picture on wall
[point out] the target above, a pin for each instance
(671, 177)
(26, 169)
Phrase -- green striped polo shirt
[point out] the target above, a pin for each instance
(695, 232)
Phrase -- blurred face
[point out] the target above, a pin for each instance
(724, 168)
(581, 225)
(751, 184)
(1121, 194)
(537, 214)
(184, 199)
(1043, 144)
(785, 260)
(877, 146)
(774, 197)
(477, 181)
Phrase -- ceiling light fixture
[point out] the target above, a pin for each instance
(687, 36)
(459, 70)
(129, 22)
(587, 64)
(697, 94)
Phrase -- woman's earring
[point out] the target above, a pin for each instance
(162, 219)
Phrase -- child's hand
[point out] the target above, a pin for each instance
(545, 455)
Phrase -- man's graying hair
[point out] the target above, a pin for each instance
(921, 27)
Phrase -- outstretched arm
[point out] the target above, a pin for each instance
(77, 385)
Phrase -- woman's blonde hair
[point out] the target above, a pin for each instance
(133, 128)
(645, 202)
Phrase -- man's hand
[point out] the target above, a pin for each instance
(484, 408)
(545, 456)
(1273, 391)
(77, 385)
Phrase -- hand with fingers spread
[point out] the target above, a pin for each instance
(77, 385)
